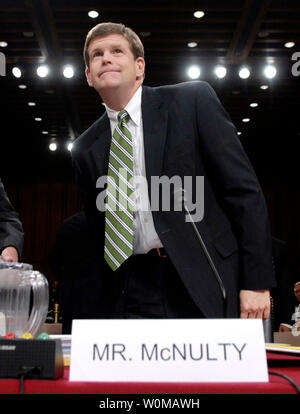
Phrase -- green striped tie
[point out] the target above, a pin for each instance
(119, 204)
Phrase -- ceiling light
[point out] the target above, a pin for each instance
(145, 34)
(68, 71)
(244, 73)
(246, 120)
(28, 34)
(264, 87)
(192, 44)
(22, 86)
(194, 72)
(70, 145)
(16, 72)
(93, 14)
(263, 33)
(38, 119)
(52, 146)
(42, 71)
(239, 133)
(3, 44)
(45, 132)
(289, 44)
(220, 72)
(270, 71)
(198, 14)
(31, 103)
(254, 104)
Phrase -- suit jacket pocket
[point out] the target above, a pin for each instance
(226, 244)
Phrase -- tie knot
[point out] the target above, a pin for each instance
(123, 116)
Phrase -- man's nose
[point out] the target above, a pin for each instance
(106, 57)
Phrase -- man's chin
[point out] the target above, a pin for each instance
(107, 87)
(107, 81)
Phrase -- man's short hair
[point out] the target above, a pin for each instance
(105, 29)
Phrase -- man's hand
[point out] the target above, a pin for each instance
(255, 304)
(10, 254)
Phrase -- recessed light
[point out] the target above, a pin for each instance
(220, 72)
(31, 103)
(254, 104)
(192, 44)
(38, 119)
(68, 71)
(16, 72)
(22, 86)
(53, 146)
(93, 14)
(244, 73)
(69, 145)
(145, 34)
(264, 87)
(199, 14)
(3, 44)
(289, 44)
(45, 132)
(194, 72)
(42, 71)
(239, 133)
(263, 33)
(28, 34)
(270, 71)
(246, 120)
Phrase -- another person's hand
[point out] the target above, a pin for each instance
(255, 304)
(10, 254)
(283, 328)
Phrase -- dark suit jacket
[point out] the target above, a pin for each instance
(71, 259)
(187, 132)
(11, 231)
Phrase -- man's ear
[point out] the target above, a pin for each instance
(88, 76)
(140, 67)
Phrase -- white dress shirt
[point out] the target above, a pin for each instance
(145, 236)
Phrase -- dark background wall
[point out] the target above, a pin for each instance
(42, 207)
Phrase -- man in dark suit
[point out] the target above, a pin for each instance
(162, 269)
(73, 263)
(11, 231)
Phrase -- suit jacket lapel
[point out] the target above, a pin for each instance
(155, 117)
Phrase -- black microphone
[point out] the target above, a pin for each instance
(206, 252)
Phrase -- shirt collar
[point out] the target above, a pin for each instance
(133, 108)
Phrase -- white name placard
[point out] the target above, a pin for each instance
(168, 350)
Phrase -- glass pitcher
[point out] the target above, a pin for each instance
(24, 299)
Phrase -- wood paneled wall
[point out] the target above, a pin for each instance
(42, 207)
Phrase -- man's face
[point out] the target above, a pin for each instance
(112, 65)
(297, 292)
